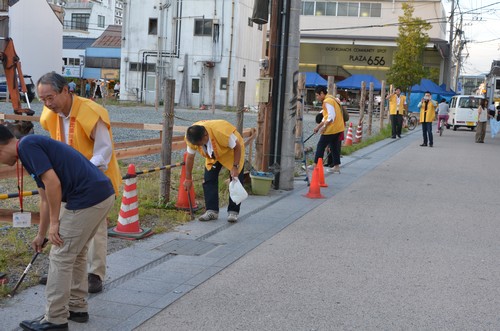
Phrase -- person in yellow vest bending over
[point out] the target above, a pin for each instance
(330, 128)
(222, 146)
(85, 126)
(397, 108)
(427, 114)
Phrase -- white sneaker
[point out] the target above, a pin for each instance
(333, 170)
(232, 216)
(209, 215)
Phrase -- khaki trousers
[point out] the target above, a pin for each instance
(67, 283)
(98, 250)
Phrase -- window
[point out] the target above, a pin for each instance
(153, 26)
(320, 9)
(259, 27)
(202, 27)
(195, 85)
(80, 21)
(101, 21)
(497, 84)
(307, 8)
(353, 9)
(135, 66)
(223, 83)
(376, 10)
(333, 8)
(250, 22)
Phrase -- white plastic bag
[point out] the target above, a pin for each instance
(236, 191)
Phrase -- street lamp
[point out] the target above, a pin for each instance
(82, 87)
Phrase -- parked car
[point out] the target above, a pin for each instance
(463, 111)
(30, 86)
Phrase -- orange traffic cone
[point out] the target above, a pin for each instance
(314, 189)
(348, 139)
(359, 132)
(321, 173)
(128, 219)
(183, 201)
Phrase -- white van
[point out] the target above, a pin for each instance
(463, 111)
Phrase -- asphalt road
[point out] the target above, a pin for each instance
(412, 243)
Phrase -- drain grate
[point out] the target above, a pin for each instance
(186, 247)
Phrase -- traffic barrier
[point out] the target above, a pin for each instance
(321, 173)
(359, 132)
(128, 219)
(348, 139)
(183, 201)
(314, 188)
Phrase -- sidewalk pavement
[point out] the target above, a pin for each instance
(406, 238)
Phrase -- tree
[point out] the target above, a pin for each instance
(408, 69)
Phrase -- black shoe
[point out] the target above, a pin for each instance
(95, 283)
(399, 136)
(393, 137)
(41, 325)
(430, 145)
(78, 317)
(423, 145)
(43, 279)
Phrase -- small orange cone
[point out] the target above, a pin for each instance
(314, 189)
(359, 132)
(321, 173)
(128, 219)
(182, 196)
(348, 139)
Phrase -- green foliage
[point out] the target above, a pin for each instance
(383, 134)
(407, 69)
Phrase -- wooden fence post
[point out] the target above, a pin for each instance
(166, 140)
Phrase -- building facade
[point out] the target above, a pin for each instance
(344, 38)
(206, 47)
(29, 21)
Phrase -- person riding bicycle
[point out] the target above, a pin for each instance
(443, 110)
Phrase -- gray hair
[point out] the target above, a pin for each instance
(53, 79)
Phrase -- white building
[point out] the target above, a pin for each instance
(89, 18)
(344, 38)
(37, 34)
(205, 46)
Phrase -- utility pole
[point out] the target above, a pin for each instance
(290, 98)
(448, 79)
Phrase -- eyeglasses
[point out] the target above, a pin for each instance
(49, 98)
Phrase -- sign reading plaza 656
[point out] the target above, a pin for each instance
(369, 60)
(360, 55)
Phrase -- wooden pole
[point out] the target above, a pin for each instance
(331, 85)
(300, 117)
(382, 104)
(240, 106)
(362, 100)
(370, 109)
(166, 140)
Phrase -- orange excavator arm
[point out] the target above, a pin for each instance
(13, 74)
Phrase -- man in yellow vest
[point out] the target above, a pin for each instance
(397, 108)
(222, 146)
(85, 126)
(330, 128)
(427, 114)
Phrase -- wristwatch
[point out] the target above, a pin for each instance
(236, 165)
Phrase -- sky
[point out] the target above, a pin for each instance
(481, 26)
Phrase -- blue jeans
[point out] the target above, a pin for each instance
(211, 189)
(427, 132)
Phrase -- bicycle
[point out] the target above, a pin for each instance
(411, 121)
(442, 123)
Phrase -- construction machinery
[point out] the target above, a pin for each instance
(15, 83)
